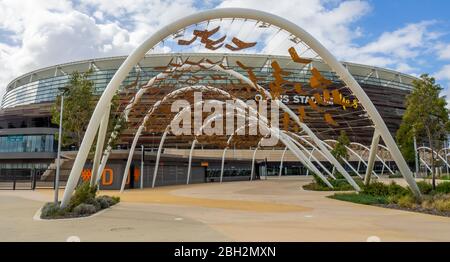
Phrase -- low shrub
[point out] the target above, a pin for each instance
(82, 203)
(396, 175)
(425, 187)
(84, 209)
(104, 203)
(83, 194)
(319, 181)
(442, 205)
(316, 187)
(395, 189)
(340, 184)
(443, 188)
(439, 202)
(393, 199)
(407, 201)
(95, 203)
(115, 199)
(51, 210)
(360, 198)
(376, 189)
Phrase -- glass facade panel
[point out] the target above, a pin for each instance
(26, 143)
(46, 90)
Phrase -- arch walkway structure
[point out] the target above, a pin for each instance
(296, 35)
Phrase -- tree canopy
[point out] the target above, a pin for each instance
(340, 148)
(78, 107)
(426, 117)
(79, 104)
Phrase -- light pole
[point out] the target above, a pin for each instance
(58, 157)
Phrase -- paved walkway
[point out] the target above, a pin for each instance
(271, 210)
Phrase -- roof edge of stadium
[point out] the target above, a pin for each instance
(94, 60)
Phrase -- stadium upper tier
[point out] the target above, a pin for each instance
(43, 85)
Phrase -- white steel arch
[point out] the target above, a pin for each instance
(290, 143)
(311, 155)
(280, 22)
(376, 155)
(208, 66)
(355, 154)
(282, 160)
(429, 149)
(346, 162)
(153, 109)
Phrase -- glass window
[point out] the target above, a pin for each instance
(26, 143)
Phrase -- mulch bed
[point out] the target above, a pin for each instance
(417, 210)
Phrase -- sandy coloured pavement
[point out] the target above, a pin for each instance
(268, 210)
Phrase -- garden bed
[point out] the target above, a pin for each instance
(418, 209)
(339, 184)
(82, 204)
(434, 201)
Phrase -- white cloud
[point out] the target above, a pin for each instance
(36, 34)
(443, 76)
(331, 26)
(444, 73)
(443, 51)
(400, 50)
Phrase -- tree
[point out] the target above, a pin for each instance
(78, 107)
(426, 116)
(340, 148)
(79, 104)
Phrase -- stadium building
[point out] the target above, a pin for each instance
(206, 69)
(27, 136)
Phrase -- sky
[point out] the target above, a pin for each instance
(409, 36)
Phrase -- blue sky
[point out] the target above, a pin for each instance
(410, 36)
(388, 15)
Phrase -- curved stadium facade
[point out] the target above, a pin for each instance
(27, 139)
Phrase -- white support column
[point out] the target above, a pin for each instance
(319, 143)
(372, 155)
(130, 158)
(426, 165)
(161, 143)
(190, 161)
(281, 161)
(354, 153)
(377, 156)
(352, 168)
(346, 162)
(103, 164)
(311, 156)
(223, 163)
(299, 154)
(302, 138)
(100, 143)
(253, 163)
